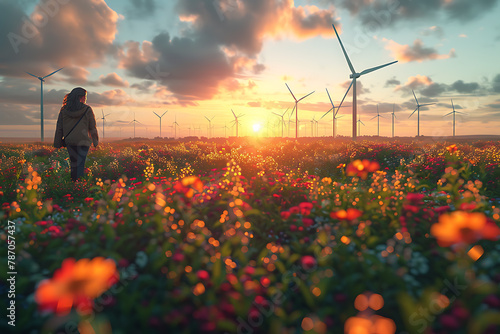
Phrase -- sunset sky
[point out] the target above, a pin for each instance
(202, 58)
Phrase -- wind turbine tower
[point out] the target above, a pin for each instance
(297, 110)
(160, 119)
(453, 112)
(103, 120)
(354, 76)
(393, 117)
(42, 80)
(417, 109)
(359, 126)
(378, 122)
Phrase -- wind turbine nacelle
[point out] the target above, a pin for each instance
(354, 75)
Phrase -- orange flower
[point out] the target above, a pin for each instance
(362, 168)
(77, 283)
(452, 148)
(189, 185)
(350, 214)
(463, 227)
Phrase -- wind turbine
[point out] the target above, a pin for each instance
(103, 120)
(175, 125)
(378, 122)
(354, 75)
(209, 125)
(282, 120)
(393, 117)
(359, 126)
(417, 109)
(453, 112)
(297, 110)
(160, 118)
(334, 113)
(134, 121)
(236, 122)
(42, 80)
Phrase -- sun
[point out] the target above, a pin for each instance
(256, 127)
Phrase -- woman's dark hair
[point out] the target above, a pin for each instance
(72, 102)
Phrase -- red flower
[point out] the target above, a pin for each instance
(189, 185)
(294, 210)
(203, 275)
(285, 215)
(308, 222)
(308, 262)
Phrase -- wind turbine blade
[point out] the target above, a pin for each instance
(452, 105)
(377, 68)
(233, 113)
(330, 98)
(414, 96)
(33, 75)
(156, 114)
(164, 113)
(276, 114)
(448, 114)
(339, 116)
(207, 118)
(426, 104)
(373, 118)
(326, 113)
(340, 105)
(52, 73)
(285, 112)
(362, 122)
(413, 112)
(343, 50)
(291, 92)
(305, 96)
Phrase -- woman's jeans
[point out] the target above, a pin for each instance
(77, 156)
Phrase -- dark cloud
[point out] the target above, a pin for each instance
(222, 42)
(143, 87)
(360, 89)
(494, 105)
(56, 34)
(433, 90)
(417, 52)
(141, 8)
(385, 13)
(462, 87)
(392, 82)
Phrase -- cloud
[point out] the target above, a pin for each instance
(434, 30)
(114, 80)
(55, 34)
(417, 52)
(462, 87)
(360, 89)
(383, 13)
(222, 43)
(144, 87)
(392, 82)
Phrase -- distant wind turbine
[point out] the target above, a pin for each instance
(334, 113)
(103, 120)
(393, 117)
(282, 121)
(359, 126)
(453, 112)
(175, 125)
(236, 122)
(42, 80)
(160, 119)
(297, 110)
(209, 125)
(135, 121)
(378, 122)
(417, 109)
(354, 75)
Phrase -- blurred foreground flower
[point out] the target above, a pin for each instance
(452, 148)
(362, 168)
(349, 214)
(189, 185)
(463, 227)
(77, 283)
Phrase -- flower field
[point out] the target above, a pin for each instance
(255, 236)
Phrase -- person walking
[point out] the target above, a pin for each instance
(76, 130)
